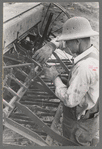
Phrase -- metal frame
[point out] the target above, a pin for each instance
(34, 77)
(22, 130)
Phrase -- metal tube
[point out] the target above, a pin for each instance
(11, 91)
(7, 104)
(54, 123)
(19, 65)
(17, 81)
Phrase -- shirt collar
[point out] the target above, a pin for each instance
(82, 55)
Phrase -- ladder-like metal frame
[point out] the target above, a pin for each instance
(14, 102)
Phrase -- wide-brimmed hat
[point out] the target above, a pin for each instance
(75, 28)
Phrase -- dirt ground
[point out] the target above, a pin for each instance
(89, 10)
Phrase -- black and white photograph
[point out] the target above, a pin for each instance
(50, 82)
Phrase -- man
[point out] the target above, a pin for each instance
(80, 97)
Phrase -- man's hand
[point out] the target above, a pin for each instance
(57, 43)
(43, 54)
(51, 73)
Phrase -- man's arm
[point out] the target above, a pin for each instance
(73, 95)
(79, 85)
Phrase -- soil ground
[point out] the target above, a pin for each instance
(89, 10)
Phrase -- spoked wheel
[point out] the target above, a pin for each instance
(53, 17)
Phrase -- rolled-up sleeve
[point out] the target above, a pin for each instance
(79, 85)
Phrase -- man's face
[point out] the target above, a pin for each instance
(72, 46)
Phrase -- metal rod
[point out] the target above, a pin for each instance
(57, 17)
(22, 72)
(63, 9)
(20, 48)
(39, 103)
(7, 104)
(17, 81)
(57, 30)
(62, 64)
(11, 91)
(18, 65)
(56, 61)
(45, 17)
(31, 97)
(13, 59)
(36, 92)
(46, 28)
(46, 87)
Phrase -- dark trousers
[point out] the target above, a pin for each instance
(79, 131)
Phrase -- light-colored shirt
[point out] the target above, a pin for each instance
(84, 82)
